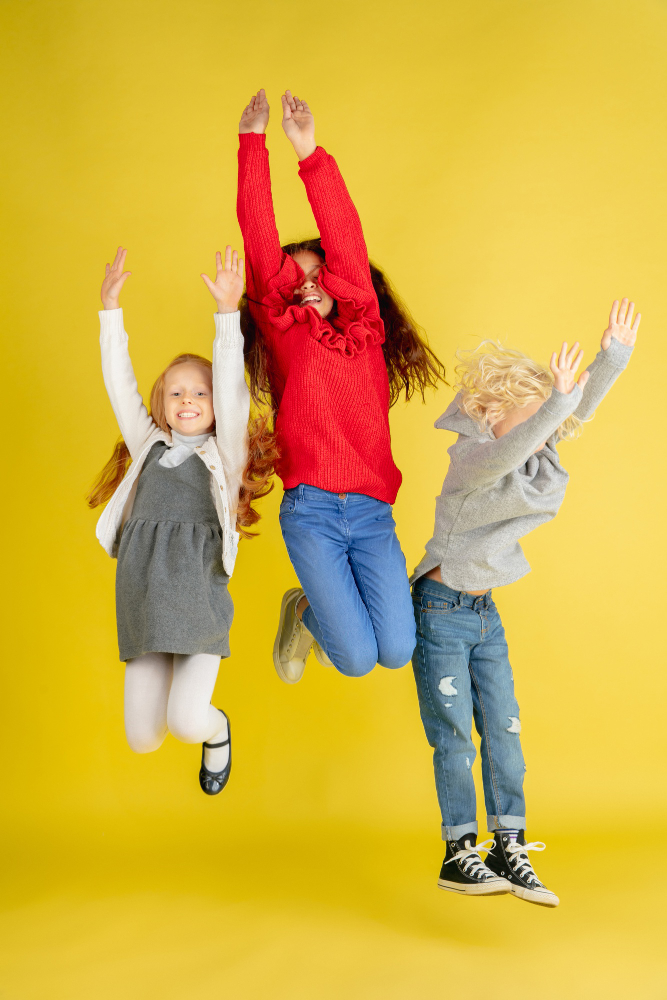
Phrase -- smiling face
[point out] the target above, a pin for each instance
(310, 292)
(188, 399)
(517, 416)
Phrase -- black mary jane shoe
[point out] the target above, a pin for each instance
(212, 782)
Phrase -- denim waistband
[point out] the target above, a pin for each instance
(425, 585)
(315, 495)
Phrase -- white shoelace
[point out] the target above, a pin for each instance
(471, 863)
(522, 865)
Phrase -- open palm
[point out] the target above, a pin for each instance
(299, 124)
(564, 368)
(114, 279)
(227, 288)
(621, 326)
(255, 115)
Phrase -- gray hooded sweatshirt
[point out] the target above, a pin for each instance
(496, 490)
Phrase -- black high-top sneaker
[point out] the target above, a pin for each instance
(463, 870)
(510, 861)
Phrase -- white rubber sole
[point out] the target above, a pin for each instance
(534, 896)
(278, 664)
(495, 888)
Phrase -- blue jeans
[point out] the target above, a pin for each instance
(344, 549)
(463, 673)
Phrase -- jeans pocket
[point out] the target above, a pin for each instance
(287, 507)
(385, 512)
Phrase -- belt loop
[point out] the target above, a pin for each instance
(301, 491)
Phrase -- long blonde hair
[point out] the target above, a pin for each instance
(256, 481)
(493, 380)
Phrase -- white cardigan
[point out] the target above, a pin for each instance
(225, 453)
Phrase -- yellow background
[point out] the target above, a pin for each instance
(508, 158)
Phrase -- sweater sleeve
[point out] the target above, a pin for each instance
(337, 219)
(254, 208)
(604, 370)
(231, 402)
(484, 462)
(135, 424)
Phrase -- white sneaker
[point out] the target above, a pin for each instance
(293, 641)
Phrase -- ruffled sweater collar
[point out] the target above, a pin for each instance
(350, 331)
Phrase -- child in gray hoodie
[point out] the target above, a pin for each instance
(504, 479)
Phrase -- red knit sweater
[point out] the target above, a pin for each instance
(329, 379)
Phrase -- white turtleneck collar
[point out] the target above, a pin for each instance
(181, 448)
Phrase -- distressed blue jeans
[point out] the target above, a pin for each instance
(344, 549)
(463, 674)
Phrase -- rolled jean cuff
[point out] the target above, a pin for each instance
(456, 832)
(494, 823)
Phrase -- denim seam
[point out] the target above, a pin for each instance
(363, 592)
(440, 722)
(489, 754)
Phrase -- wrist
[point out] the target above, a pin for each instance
(563, 387)
(109, 304)
(224, 307)
(304, 149)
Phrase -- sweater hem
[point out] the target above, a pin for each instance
(468, 586)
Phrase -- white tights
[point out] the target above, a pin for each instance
(169, 692)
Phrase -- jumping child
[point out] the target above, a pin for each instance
(171, 521)
(330, 347)
(504, 479)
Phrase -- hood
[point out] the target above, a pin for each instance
(454, 420)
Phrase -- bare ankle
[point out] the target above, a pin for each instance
(301, 607)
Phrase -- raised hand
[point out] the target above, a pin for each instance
(227, 288)
(114, 279)
(299, 125)
(621, 326)
(564, 367)
(255, 115)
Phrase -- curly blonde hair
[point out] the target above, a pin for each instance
(493, 380)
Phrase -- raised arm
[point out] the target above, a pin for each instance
(231, 398)
(254, 204)
(482, 463)
(119, 379)
(616, 348)
(337, 219)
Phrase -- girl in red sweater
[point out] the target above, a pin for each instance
(331, 349)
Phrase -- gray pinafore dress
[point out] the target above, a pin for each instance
(171, 588)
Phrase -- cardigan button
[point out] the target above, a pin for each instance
(212, 467)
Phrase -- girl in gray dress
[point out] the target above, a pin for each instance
(172, 521)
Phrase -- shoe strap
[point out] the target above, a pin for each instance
(214, 746)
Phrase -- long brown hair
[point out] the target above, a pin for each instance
(411, 364)
(255, 483)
